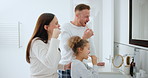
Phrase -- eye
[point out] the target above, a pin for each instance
(57, 23)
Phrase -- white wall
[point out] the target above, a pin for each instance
(13, 64)
(121, 21)
(107, 28)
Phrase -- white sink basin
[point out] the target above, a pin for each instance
(108, 71)
(111, 75)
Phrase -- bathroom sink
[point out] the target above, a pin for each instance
(108, 71)
(111, 75)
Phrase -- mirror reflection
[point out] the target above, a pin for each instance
(140, 19)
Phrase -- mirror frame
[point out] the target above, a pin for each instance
(138, 42)
(122, 61)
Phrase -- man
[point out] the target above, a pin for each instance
(77, 27)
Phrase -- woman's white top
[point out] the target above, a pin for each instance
(44, 58)
(82, 70)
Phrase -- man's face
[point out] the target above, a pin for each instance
(83, 17)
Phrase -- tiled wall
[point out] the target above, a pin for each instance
(141, 55)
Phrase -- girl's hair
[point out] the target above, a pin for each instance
(39, 31)
(76, 42)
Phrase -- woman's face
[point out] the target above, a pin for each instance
(86, 51)
(53, 24)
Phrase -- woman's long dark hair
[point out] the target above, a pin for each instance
(39, 31)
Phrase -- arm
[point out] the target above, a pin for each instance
(64, 67)
(88, 33)
(92, 47)
(94, 62)
(90, 73)
(64, 36)
(95, 67)
(85, 72)
(66, 51)
(61, 67)
(49, 56)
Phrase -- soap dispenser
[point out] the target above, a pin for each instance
(132, 68)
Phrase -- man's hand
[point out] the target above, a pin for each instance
(87, 34)
(67, 66)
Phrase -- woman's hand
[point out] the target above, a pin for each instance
(67, 66)
(56, 33)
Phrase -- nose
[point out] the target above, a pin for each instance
(88, 52)
(87, 19)
(58, 25)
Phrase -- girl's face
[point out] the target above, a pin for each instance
(85, 52)
(53, 24)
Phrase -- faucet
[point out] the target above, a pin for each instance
(109, 59)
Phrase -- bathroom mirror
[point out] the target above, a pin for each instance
(117, 61)
(138, 22)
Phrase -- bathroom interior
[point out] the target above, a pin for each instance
(120, 34)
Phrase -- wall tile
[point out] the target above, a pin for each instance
(141, 57)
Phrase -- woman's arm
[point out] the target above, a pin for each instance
(50, 55)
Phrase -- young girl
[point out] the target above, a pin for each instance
(81, 49)
(42, 51)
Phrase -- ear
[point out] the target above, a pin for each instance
(45, 27)
(80, 50)
(77, 14)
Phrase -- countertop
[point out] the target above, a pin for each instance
(110, 69)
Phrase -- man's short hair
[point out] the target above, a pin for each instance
(81, 7)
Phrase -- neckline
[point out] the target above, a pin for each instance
(75, 26)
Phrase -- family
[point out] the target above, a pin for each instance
(59, 52)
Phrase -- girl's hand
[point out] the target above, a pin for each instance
(101, 63)
(94, 59)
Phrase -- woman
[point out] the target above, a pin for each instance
(42, 50)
